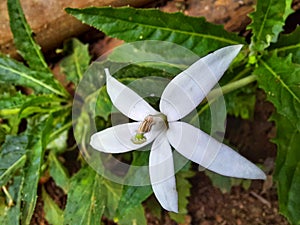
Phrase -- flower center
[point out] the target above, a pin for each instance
(146, 126)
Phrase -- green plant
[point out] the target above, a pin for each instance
(36, 121)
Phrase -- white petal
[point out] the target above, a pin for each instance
(203, 149)
(188, 89)
(126, 100)
(117, 139)
(161, 169)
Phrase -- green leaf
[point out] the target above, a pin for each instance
(86, 198)
(10, 100)
(13, 72)
(183, 188)
(40, 104)
(135, 216)
(77, 60)
(133, 196)
(12, 156)
(23, 39)
(103, 104)
(226, 183)
(58, 172)
(267, 22)
(13, 102)
(53, 214)
(132, 24)
(114, 192)
(289, 44)
(149, 55)
(280, 79)
(240, 103)
(35, 153)
(287, 173)
(10, 214)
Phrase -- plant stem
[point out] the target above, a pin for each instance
(215, 93)
(10, 200)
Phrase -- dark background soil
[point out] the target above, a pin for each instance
(207, 204)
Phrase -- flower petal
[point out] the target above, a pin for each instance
(188, 89)
(161, 169)
(117, 139)
(126, 100)
(203, 149)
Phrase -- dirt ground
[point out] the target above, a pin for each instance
(207, 204)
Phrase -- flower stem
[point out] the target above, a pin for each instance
(215, 93)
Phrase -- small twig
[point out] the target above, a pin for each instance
(10, 200)
(261, 199)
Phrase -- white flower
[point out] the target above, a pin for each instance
(180, 97)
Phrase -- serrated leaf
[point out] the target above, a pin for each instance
(40, 104)
(287, 171)
(77, 60)
(10, 214)
(149, 54)
(86, 198)
(183, 188)
(226, 183)
(58, 173)
(136, 216)
(132, 24)
(35, 153)
(114, 192)
(12, 156)
(280, 79)
(13, 72)
(10, 100)
(289, 44)
(103, 104)
(267, 22)
(240, 103)
(134, 195)
(23, 39)
(53, 214)
(13, 102)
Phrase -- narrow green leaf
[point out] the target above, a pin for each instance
(23, 39)
(53, 214)
(86, 198)
(280, 79)
(13, 72)
(58, 172)
(77, 60)
(35, 154)
(40, 104)
(10, 214)
(132, 24)
(287, 171)
(289, 44)
(267, 22)
(12, 156)
(183, 188)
